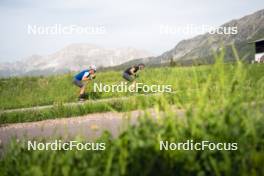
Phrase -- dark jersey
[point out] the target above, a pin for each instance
(136, 68)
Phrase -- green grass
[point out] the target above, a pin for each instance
(59, 110)
(58, 90)
(226, 105)
(35, 91)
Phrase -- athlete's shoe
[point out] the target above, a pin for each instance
(81, 99)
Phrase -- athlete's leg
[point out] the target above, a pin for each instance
(133, 85)
(82, 90)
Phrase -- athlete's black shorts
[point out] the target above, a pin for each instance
(128, 77)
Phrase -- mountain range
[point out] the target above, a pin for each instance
(74, 57)
(198, 49)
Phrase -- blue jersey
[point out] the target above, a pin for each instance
(83, 73)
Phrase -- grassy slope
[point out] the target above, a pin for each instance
(56, 90)
(33, 91)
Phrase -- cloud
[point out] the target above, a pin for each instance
(128, 23)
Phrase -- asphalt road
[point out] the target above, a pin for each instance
(90, 126)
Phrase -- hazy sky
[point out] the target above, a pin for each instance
(127, 23)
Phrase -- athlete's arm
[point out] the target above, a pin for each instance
(86, 76)
(132, 71)
(92, 76)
